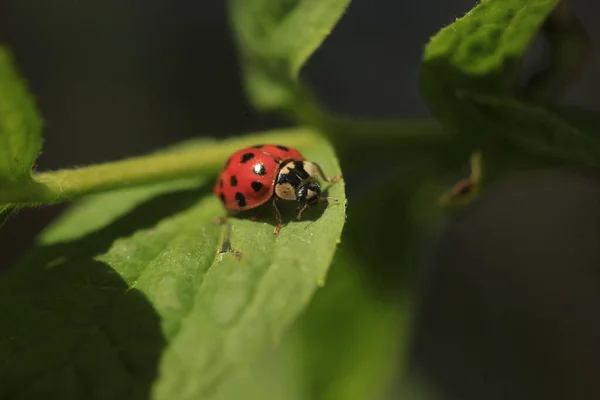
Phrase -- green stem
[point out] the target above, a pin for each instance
(409, 132)
(370, 139)
(393, 141)
(362, 140)
(205, 157)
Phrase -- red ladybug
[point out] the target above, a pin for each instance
(255, 175)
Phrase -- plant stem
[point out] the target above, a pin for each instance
(355, 139)
(364, 137)
(385, 141)
(196, 159)
(409, 132)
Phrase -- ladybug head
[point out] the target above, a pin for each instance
(308, 193)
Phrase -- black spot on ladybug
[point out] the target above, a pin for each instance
(299, 170)
(233, 180)
(240, 199)
(256, 185)
(222, 196)
(247, 157)
(258, 146)
(221, 183)
(259, 169)
(283, 148)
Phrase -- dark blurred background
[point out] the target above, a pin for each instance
(115, 78)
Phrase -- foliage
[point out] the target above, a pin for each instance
(20, 125)
(135, 293)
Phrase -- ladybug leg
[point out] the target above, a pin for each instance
(324, 177)
(278, 215)
(300, 210)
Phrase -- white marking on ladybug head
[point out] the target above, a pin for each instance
(287, 168)
(285, 191)
(311, 169)
(310, 194)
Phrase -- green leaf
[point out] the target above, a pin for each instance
(351, 335)
(351, 341)
(20, 124)
(276, 374)
(570, 48)
(480, 52)
(554, 132)
(126, 294)
(355, 332)
(275, 39)
(315, 361)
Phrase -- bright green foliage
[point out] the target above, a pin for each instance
(491, 37)
(127, 295)
(130, 282)
(470, 78)
(20, 129)
(20, 124)
(479, 52)
(275, 39)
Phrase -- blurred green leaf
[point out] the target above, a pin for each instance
(20, 124)
(344, 347)
(20, 129)
(126, 294)
(555, 132)
(387, 225)
(481, 53)
(351, 336)
(355, 332)
(571, 47)
(277, 374)
(275, 39)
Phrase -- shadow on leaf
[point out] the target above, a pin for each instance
(288, 209)
(72, 328)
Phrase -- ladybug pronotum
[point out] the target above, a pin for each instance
(257, 174)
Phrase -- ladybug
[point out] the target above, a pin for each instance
(257, 174)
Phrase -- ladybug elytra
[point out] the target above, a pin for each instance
(255, 175)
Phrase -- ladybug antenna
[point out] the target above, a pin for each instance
(324, 177)
(307, 204)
